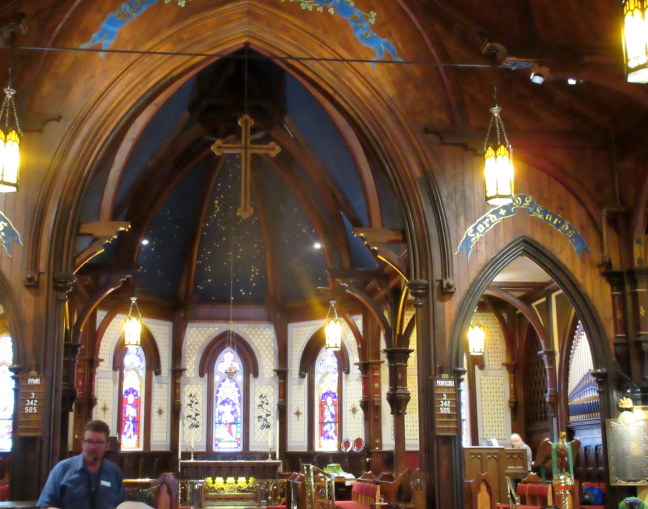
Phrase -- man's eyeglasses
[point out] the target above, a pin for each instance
(94, 442)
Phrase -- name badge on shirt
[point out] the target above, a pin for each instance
(105, 483)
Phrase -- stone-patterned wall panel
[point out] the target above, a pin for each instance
(412, 415)
(263, 417)
(263, 339)
(353, 417)
(160, 416)
(297, 424)
(195, 339)
(105, 392)
(192, 391)
(493, 397)
(495, 348)
(298, 336)
(161, 331)
(108, 342)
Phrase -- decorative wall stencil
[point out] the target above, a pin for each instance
(115, 21)
(360, 22)
(297, 430)
(161, 331)
(493, 398)
(193, 414)
(160, 419)
(528, 204)
(353, 417)
(263, 416)
(104, 388)
(195, 338)
(412, 415)
(494, 354)
(8, 234)
(263, 338)
(298, 335)
(108, 342)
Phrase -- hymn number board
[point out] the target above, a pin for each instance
(446, 406)
(31, 405)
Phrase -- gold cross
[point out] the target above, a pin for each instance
(246, 149)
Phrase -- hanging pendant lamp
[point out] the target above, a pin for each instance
(498, 162)
(635, 40)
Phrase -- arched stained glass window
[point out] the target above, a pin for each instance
(132, 400)
(228, 402)
(7, 393)
(327, 394)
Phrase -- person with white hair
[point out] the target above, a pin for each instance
(518, 443)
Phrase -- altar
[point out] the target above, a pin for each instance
(201, 469)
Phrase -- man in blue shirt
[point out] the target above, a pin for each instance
(86, 481)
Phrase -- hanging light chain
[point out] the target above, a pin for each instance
(500, 132)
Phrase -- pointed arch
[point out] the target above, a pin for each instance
(312, 350)
(152, 366)
(218, 344)
(249, 368)
(526, 246)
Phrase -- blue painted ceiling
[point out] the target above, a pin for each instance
(181, 199)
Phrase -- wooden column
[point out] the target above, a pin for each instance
(63, 368)
(370, 403)
(86, 370)
(639, 300)
(398, 397)
(282, 403)
(549, 359)
(616, 279)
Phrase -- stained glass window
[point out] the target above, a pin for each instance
(228, 402)
(326, 384)
(132, 398)
(7, 393)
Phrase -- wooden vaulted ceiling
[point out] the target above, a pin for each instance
(181, 199)
(169, 173)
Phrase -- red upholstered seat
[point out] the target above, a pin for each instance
(4, 491)
(363, 495)
(532, 496)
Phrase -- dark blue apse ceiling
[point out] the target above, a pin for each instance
(196, 238)
(227, 239)
(325, 141)
(170, 236)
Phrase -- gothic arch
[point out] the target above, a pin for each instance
(153, 366)
(554, 267)
(149, 79)
(218, 344)
(148, 344)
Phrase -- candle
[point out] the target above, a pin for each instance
(192, 439)
(277, 433)
(180, 440)
(269, 439)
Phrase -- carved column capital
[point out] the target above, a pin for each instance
(601, 377)
(71, 350)
(398, 399)
(63, 284)
(398, 355)
(459, 374)
(419, 289)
